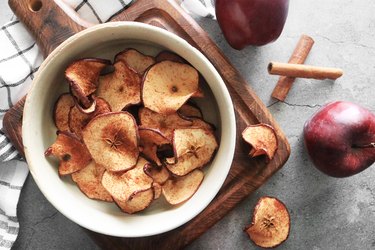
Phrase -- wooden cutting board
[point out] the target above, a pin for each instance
(50, 26)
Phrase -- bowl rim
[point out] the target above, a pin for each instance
(28, 138)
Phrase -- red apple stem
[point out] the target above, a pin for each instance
(370, 145)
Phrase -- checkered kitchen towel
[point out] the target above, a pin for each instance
(20, 58)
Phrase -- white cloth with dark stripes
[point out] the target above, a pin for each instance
(20, 58)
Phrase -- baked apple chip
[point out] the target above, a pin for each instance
(124, 186)
(168, 85)
(262, 138)
(83, 76)
(164, 123)
(194, 148)
(71, 152)
(112, 140)
(120, 88)
(149, 142)
(158, 173)
(166, 55)
(137, 203)
(182, 188)
(61, 111)
(190, 110)
(157, 190)
(135, 60)
(89, 180)
(78, 120)
(270, 224)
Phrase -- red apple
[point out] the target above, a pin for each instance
(340, 139)
(251, 22)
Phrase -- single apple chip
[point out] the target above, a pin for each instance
(135, 60)
(61, 111)
(262, 138)
(190, 110)
(157, 190)
(138, 202)
(120, 88)
(112, 140)
(71, 152)
(89, 179)
(149, 141)
(168, 85)
(270, 224)
(158, 173)
(182, 188)
(166, 55)
(194, 148)
(123, 186)
(200, 123)
(78, 120)
(164, 123)
(83, 76)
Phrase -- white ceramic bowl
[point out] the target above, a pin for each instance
(39, 131)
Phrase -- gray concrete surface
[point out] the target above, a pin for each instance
(326, 213)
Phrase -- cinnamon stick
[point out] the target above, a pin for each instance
(299, 56)
(303, 71)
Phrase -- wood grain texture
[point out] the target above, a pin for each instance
(246, 175)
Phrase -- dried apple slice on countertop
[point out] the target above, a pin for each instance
(78, 120)
(181, 189)
(112, 140)
(140, 201)
(190, 110)
(194, 148)
(61, 111)
(164, 123)
(158, 173)
(123, 186)
(262, 138)
(120, 88)
(168, 85)
(149, 141)
(71, 152)
(83, 75)
(270, 224)
(89, 180)
(135, 60)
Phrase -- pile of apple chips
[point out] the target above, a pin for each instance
(131, 135)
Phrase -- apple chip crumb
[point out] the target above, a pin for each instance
(270, 224)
